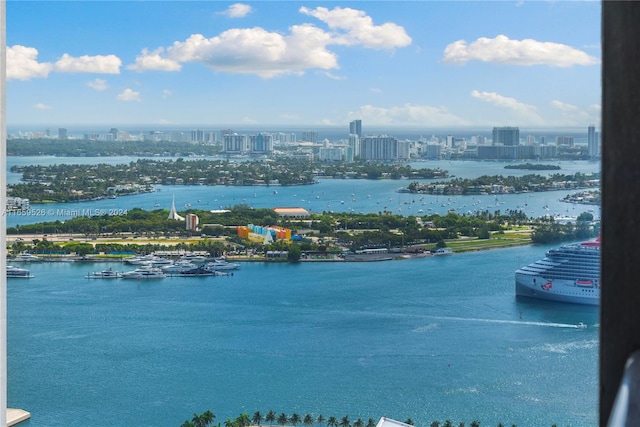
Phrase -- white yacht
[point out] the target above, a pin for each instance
(221, 264)
(109, 273)
(26, 257)
(143, 273)
(22, 273)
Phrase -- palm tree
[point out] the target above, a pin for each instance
(308, 420)
(282, 419)
(435, 424)
(358, 423)
(411, 423)
(230, 423)
(294, 420)
(188, 423)
(332, 422)
(243, 420)
(270, 417)
(203, 420)
(447, 423)
(208, 417)
(257, 418)
(461, 424)
(320, 419)
(371, 422)
(474, 423)
(344, 421)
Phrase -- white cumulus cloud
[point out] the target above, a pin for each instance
(129, 95)
(22, 63)
(572, 115)
(502, 50)
(103, 64)
(41, 106)
(356, 27)
(238, 10)
(563, 106)
(407, 114)
(98, 84)
(525, 112)
(268, 53)
(154, 61)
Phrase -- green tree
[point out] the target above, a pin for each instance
(358, 423)
(294, 420)
(257, 418)
(243, 420)
(371, 422)
(344, 422)
(332, 422)
(308, 420)
(270, 417)
(282, 419)
(207, 417)
(294, 253)
(320, 420)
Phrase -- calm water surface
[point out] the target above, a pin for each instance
(431, 338)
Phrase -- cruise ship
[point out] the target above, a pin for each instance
(570, 273)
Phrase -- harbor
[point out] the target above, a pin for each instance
(191, 344)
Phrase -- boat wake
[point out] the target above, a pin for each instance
(512, 322)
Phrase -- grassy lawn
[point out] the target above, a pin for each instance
(513, 238)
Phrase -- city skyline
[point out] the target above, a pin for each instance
(429, 64)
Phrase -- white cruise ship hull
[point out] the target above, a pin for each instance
(560, 290)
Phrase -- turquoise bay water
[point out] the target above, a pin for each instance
(430, 338)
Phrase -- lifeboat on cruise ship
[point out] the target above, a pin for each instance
(582, 282)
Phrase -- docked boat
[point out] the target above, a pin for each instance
(220, 264)
(141, 259)
(570, 273)
(178, 267)
(26, 257)
(109, 273)
(18, 272)
(144, 273)
(197, 272)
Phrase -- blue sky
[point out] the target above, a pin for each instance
(427, 64)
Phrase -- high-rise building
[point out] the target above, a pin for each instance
(310, 136)
(506, 135)
(261, 143)
(197, 135)
(235, 144)
(114, 133)
(62, 133)
(592, 141)
(355, 128)
(354, 144)
(564, 140)
(379, 148)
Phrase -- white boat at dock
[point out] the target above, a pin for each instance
(144, 273)
(109, 273)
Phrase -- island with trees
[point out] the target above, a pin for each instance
(533, 166)
(73, 183)
(498, 184)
